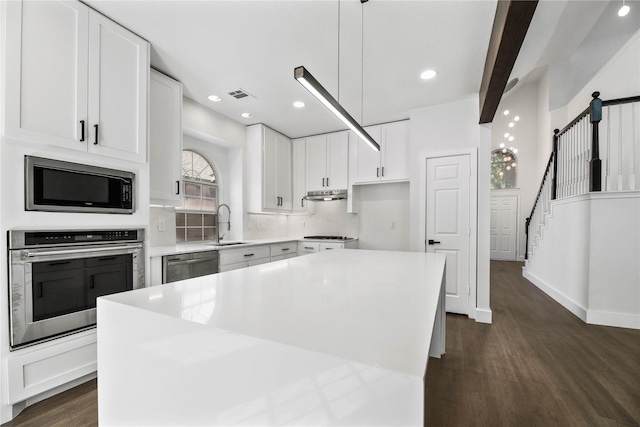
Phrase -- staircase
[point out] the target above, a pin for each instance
(583, 233)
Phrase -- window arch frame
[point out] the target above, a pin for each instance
(505, 167)
(198, 223)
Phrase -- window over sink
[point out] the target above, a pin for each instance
(195, 220)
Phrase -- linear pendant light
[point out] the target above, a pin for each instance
(305, 78)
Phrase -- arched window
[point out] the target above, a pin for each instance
(503, 169)
(195, 221)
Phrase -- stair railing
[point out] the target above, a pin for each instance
(575, 166)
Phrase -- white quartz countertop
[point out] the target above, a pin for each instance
(335, 338)
(367, 306)
(183, 248)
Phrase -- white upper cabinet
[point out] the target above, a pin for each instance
(70, 69)
(298, 175)
(391, 163)
(165, 139)
(327, 161)
(118, 85)
(268, 170)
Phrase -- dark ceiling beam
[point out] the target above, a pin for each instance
(510, 25)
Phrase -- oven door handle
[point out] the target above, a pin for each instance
(35, 254)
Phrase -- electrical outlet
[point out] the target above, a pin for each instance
(162, 225)
(393, 225)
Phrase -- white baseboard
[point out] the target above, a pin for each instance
(620, 320)
(483, 315)
(558, 296)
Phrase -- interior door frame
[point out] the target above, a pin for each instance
(473, 214)
(516, 194)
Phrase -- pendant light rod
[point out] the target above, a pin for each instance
(305, 78)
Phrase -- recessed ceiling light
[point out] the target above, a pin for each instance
(516, 118)
(214, 98)
(298, 104)
(429, 74)
(247, 115)
(624, 10)
(506, 112)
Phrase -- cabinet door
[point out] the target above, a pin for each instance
(118, 80)
(337, 160)
(298, 175)
(316, 163)
(270, 169)
(165, 139)
(395, 152)
(46, 66)
(368, 160)
(284, 173)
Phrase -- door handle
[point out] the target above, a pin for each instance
(95, 142)
(82, 130)
(433, 242)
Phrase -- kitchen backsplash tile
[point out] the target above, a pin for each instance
(329, 218)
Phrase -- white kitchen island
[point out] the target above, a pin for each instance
(333, 338)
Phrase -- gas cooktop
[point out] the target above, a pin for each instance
(328, 237)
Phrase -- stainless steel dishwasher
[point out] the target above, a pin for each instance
(187, 266)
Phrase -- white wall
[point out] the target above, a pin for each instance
(384, 216)
(588, 257)
(451, 128)
(221, 141)
(533, 146)
(619, 78)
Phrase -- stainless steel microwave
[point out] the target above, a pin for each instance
(54, 185)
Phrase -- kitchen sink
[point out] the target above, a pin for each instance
(230, 243)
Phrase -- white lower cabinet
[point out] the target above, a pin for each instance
(232, 259)
(308, 248)
(282, 251)
(312, 247)
(44, 367)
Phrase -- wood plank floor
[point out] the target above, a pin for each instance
(536, 365)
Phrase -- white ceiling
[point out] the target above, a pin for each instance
(215, 47)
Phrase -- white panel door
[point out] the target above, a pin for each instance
(118, 90)
(504, 230)
(448, 227)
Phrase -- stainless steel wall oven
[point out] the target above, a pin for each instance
(56, 276)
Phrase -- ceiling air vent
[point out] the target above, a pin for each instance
(241, 94)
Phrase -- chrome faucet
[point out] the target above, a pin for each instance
(228, 218)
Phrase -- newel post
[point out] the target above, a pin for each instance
(595, 169)
(554, 181)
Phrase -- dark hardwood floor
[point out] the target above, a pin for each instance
(536, 365)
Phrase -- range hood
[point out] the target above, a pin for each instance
(326, 195)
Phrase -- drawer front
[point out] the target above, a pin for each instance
(290, 248)
(331, 246)
(281, 257)
(308, 247)
(233, 256)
